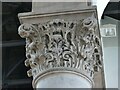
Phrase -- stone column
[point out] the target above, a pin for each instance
(63, 46)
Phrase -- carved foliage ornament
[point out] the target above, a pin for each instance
(61, 43)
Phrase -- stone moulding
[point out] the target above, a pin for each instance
(60, 44)
(59, 71)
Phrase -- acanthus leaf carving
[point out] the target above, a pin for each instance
(61, 43)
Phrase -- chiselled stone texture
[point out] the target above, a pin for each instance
(61, 44)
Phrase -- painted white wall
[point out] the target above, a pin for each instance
(111, 66)
(110, 53)
(110, 47)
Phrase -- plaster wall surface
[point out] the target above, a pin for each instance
(110, 53)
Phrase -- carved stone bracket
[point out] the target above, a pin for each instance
(63, 44)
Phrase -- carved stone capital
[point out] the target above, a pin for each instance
(63, 45)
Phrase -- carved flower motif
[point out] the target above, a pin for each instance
(26, 30)
(89, 23)
(59, 43)
(23, 33)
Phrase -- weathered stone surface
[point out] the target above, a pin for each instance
(50, 7)
(64, 41)
(64, 80)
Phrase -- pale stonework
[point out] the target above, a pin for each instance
(71, 80)
(63, 48)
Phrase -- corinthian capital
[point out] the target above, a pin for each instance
(63, 45)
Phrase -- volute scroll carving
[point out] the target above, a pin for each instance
(61, 43)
